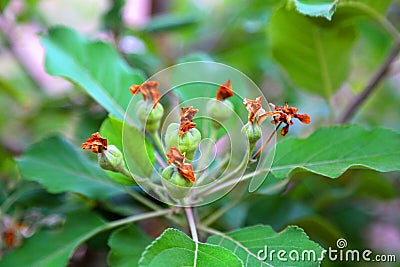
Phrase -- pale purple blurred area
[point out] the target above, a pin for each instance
(136, 13)
(384, 235)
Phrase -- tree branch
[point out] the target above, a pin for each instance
(356, 104)
(192, 223)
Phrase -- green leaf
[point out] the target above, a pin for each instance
(315, 53)
(321, 8)
(331, 151)
(196, 56)
(95, 66)
(380, 6)
(320, 228)
(170, 22)
(56, 165)
(48, 248)
(3, 4)
(127, 245)
(120, 178)
(252, 242)
(174, 249)
(138, 152)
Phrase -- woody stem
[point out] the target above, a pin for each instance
(146, 182)
(232, 174)
(192, 223)
(205, 155)
(158, 143)
(267, 141)
(227, 183)
(359, 100)
(127, 220)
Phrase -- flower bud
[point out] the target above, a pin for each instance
(172, 135)
(177, 185)
(111, 159)
(253, 132)
(150, 117)
(187, 143)
(219, 111)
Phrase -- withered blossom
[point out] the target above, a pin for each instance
(255, 109)
(12, 235)
(285, 114)
(95, 143)
(149, 91)
(224, 91)
(187, 114)
(176, 158)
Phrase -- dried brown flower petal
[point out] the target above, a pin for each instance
(254, 108)
(12, 235)
(149, 91)
(304, 118)
(224, 91)
(95, 143)
(285, 114)
(187, 171)
(187, 114)
(285, 130)
(176, 158)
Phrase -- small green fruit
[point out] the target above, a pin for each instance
(111, 159)
(172, 135)
(150, 117)
(188, 143)
(167, 172)
(178, 186)
(219, 111)
(253, 132)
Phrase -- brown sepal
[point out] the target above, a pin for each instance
(304, 118)
(176, 158)
(149, 91)
(95, 143)
(186, 170)
(254, 108)
(187, 114)
(285, 130)
(285, 114)
(224, 91)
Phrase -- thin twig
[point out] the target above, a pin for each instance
(232, 182)
(193, 230)
(131, 219)
(191, 222)
(138, 217)
(220, 212)
(356, 104)
(267, 141)
(374, 14)
(148, 203)
(228, 177)
(214, 171)
(158, 143)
